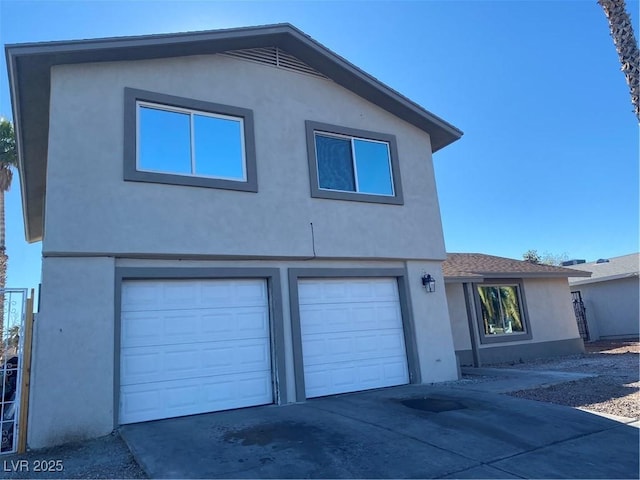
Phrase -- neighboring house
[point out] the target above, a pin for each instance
(611, 296)
(505, 310)
(228, 218)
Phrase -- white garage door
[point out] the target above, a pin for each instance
(193, 346)
(352, 335)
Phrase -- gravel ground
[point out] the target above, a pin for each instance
(614, 391)
(105, 457)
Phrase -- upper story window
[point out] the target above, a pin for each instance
(188, 142)
(350, 164)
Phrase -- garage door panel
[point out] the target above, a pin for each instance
(153, 364)
(354, 317)
(395, 369)
(145, 402)
(251, 322)
(193, 346)
(160, 295)
(157, 328)
(352, 335)
(342, 377)
(385, 342)
(347, 346)
(349, 357)
(317, 348)
(337, 291)
(139, 296)
(237, 323)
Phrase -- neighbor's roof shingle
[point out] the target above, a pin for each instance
(462, 266)
(617, 267)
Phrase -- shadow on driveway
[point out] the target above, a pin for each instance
(415, 431)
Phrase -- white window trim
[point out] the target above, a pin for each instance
(191, 112)
(354, 165)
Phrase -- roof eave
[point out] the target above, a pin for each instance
(490, 275)
(15, 108)
(602, 279)
(463, 278)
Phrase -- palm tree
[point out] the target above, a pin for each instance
(8, 159)
(626, 46)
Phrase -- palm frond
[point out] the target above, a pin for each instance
(8, 153)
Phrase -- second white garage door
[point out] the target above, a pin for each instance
(193, 346)
(352, 335)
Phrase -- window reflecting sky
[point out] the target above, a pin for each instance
(164, 141)
(165, 144)
(372, 164)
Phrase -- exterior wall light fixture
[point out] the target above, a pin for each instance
(429, 283)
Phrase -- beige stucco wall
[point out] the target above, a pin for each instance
(92, 211)
(433, 330)
(550, 309)
(612, 307)
(89, 208)
(75, 353)
(458, 316)
(71, 394)
(549, 313)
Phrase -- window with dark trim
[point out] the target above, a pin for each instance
(501, 311)
(182, 141)
(351, 164)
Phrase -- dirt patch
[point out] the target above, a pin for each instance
(613, 346)
(615, 390)
(105, 457)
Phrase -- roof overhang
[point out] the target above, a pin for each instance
(29, 67)
(601, 279)
(488, 276)
(463, 278)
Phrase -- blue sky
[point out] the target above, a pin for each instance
(549, 159)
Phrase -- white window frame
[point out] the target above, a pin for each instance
(191, 112)
(354, 163)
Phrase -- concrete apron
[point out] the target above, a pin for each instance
(416, 431)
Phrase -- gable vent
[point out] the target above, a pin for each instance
(275, 57)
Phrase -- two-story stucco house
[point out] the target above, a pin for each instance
(229, 218)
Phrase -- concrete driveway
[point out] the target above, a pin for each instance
(403, 432)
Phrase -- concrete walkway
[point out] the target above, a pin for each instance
(504, 380)
(457, 430)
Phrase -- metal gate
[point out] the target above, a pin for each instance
(581, 316)
(14, 307)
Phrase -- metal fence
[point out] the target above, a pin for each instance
(581, 315)
(13, 306)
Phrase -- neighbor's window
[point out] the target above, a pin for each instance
(184, 141)
(349, 164)
(501, 309)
